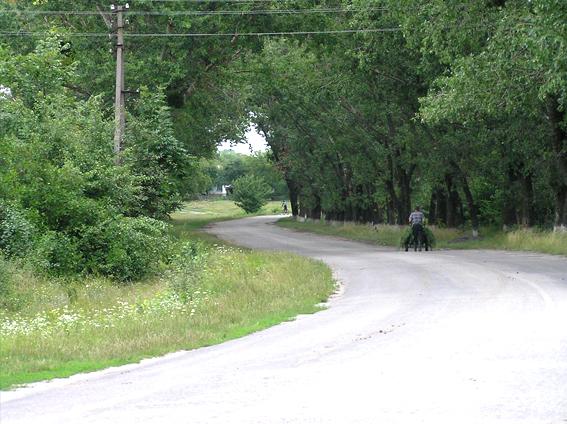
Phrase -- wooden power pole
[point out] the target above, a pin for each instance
(119, 103)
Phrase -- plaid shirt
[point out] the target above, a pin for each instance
(416, 217)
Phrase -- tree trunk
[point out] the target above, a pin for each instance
(376, 215)
(509, 215)
(441, 209)
(559, 144)
(432, 218)
(527, 206)
(453, 201)
(302, 210)
(473, 210)
(315, 213)
(293, 196)
(404, 204)
(393, 202)
(561, 210)
(390, 214)
(471, 204)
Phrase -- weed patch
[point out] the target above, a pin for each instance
(209, 293)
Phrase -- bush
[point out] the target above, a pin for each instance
(125, 248)
(57, 254)
(16, 232)
(251, 193)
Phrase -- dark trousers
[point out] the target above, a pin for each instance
(417, 230)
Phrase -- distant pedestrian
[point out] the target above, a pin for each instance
(284, 206)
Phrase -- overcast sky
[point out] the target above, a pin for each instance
(255, 140)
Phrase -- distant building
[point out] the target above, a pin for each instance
(222, 190)
(5, 92)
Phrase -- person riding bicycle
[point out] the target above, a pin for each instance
(416, 220)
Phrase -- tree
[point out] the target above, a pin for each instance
(513, 74)
(251, 193)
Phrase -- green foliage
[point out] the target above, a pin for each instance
(124, 248)
(251, 193)
(341, 120)
(16, 231)
(57, 254)
(228, 166)
(155, 156)
(58, 166)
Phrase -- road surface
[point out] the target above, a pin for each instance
(439, 337)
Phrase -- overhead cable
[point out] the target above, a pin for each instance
(202, 34)
(192, 12)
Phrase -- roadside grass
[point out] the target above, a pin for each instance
(529, 240)
(210, 293)
(446, 238)
(383, 235)
(199, 213)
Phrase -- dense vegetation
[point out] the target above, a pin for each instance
(462, 111)
(458, 106)
(251, 193)
(227, 166)
(64, 202)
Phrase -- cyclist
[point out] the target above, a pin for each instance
(416, 217)
(416, 220)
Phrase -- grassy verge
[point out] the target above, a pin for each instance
(389, 235)
(197, 214)
(209, 293)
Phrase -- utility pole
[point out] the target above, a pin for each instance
(119, 104)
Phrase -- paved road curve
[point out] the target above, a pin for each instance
(439, 337)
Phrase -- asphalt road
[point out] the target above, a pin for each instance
(439, 337)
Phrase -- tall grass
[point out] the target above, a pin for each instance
(522, 240)
(383, 235)
(211, 292)
(446, 238)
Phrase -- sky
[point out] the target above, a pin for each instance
(255, 140)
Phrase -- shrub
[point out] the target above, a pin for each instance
(16, 232)
(125, 248)
(251, 193)
(57, 254)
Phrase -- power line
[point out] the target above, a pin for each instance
(217, 1)
(194, 12)
(202, 34)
